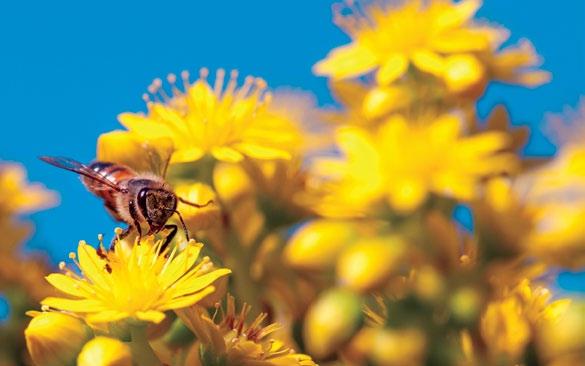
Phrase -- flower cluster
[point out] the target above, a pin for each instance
(21, 277)
(329, 236)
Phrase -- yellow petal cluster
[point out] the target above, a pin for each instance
(19, 197)
(225, 121)
(508, 323)
(231, 340)
(139, 282)
(406, 161)
(391, 38)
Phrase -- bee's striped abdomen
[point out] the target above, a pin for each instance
(116, 174)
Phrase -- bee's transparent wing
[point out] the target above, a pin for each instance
(79, 168)
(159, 155)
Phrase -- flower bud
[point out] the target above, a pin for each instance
(380, 346)
(232, 183)
(368, 264)
(317, 244)
(331, 321)
(104, 351)
(464, 74)
(54, 338)
(383, 100)
(201, 194)
(465, 305)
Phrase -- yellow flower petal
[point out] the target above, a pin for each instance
(67, 284)
(393, 68)
(76, 306)
(347, 61)
(227, 154)
(188, 300)
(429, 61)
(144, 126)
(152, 315)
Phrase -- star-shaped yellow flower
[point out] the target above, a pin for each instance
(224, 121)
(389, 39)
(138, 282)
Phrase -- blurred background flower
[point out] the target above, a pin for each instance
(413, 210)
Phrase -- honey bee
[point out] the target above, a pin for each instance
(143, 201)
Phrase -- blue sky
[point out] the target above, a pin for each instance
(68, 69)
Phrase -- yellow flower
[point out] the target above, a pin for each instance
(556, 196)
(227, 122)
(367, 264)
(560, 341)
(389, 347)
(405, 161)
(501, 214)
(138, 282)
(389, 38)
(331, 321)
(317, 244)
(18, 197)
(198, 218)
(515, 65)
(504, 328)
(508, 323)
(233, 341)
(55, 339)
(104, 351)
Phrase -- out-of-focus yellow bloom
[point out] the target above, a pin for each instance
(55, 339)
(280, 186)
(138, 282)
(504, 328)
(233, 341)
(507, 324)
(465, 304)
(503, 217)
(200, 193)
(499, 120)
(18, 197)
(104, 351)
(515, 65)
(404, 162)
(464, 74)
(26, 273)
(556, 195)
(388, 347)
(367, 264)
(389, 39)
(317, 244)
(227, 122)
(331, 321)
(561, 340)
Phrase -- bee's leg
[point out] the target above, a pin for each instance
(169, 237)
(122, 235)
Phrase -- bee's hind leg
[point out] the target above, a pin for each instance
(170, 237)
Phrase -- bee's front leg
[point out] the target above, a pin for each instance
(169, 237)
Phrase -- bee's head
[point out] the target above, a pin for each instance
(157, 206)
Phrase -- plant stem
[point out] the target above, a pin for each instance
(142, 353)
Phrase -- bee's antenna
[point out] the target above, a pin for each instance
(195, 204)
(183, 224)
